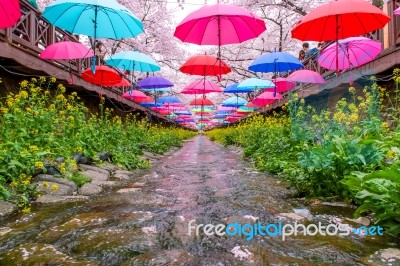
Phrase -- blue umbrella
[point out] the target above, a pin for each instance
(133, 61)
(151, 104)
(275, 62)
(233, 88)
(168, 99)
(155, 83)
(182, 113)
(156, 89)
(234, 102)
(256, 83)
(94, 18)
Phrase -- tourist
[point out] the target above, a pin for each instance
(100, 52)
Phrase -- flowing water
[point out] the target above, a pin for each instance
(148, 225)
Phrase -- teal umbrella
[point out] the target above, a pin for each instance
(133, 61)
(234, 102)
(256, 83)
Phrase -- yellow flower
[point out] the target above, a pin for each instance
(352, 90)
(74, 94)
(26, 210)
(23, 94)
(34, 80)
(24, 84)
(42, 79)
(53, 79)
(4, 110)
(33, 148)
(39, 164)
(45, 184)
(391, 154)
(54, 187)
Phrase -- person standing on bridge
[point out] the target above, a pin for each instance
(100, 52)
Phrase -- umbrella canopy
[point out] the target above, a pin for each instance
(150, 104)
(103, 76)
(256, 83)
(339, 19)
(397, 11)
(135, 95)
(202, 102)
(201, 86)
(205, 65)
(66, 50)
(283, 85)
(10, 12)
(95, 18)
(275, 62)
(266, 98)
(306, 76)
(353, 52)
(234, 102)
(233, 88)
(168, 99)
(155, 82)
(219, 24)
(133, 61)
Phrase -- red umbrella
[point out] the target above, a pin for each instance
(339, 19)
(201, 102)
(104, 76)
(10, 12)
(205, 65)
(124, 83)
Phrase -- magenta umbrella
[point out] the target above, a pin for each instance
(201, 86)
(397, 11)
(306, 76)
(66, 50)
(219, 24)
(10, 12)
(135, 95)
(266, 98)
(352, 52)
(282, 85)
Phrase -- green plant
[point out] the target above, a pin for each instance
(78, 179)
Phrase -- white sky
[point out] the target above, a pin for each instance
(188, 7)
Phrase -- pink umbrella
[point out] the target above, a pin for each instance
(352, 52)
(397, 11)
(10, 12)
(225, 108)
(306, 76)
(282, 85)
(201, 86)
(219, 24)
(66, 50)
(135, 95)
(201, 102)
(266, 98)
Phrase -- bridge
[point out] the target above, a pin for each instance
(21, 45)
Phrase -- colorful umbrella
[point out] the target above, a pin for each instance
(133, 61)
(234, 102)
(168, 99)
(266, 98)
(275, 62)
(306, 76)
(397, 11)
(201, 86)
(353, 52)
(95, 18)
(201, 102)
(154, 83)
(66, 50)
(219, 24)
(136, 95)
(283, 85)
(10, 12)
(233, 88)
(339, 19)
(205, 65)
(103, 76)
(124, 83)
(256, 83)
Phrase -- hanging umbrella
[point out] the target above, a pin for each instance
(275, 62)
(205, 65)
(234, 102)
(154, 83)
(66, 50)
(10, 12)
(339, 19)
(150, 104)
(168, 99)
(135, 95)
(133, 61)
(94, 18)
(201, 86)
(283, 85)
(306, 76)
(103, 76)
(256, 83)
(397, 11)
(233, 88)
(353, 52)
(156, 89)
(266, 98)
(201, 102)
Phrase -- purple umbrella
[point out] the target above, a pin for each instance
(306, 76)
(353, 52)
(155, 82)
